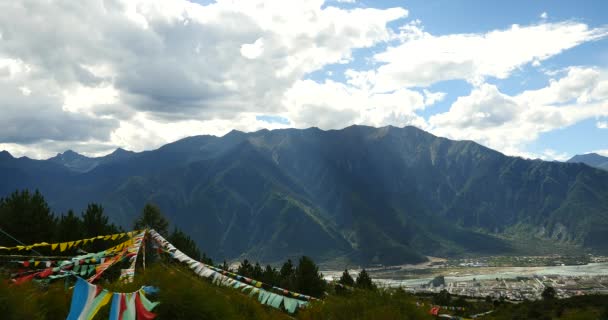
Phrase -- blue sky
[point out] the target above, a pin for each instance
(527, 78)
(478, 16)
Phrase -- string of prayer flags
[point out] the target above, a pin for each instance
(224, 278)
(62, 246)
(127, 275)
(88, 298)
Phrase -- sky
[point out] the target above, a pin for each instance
(527, 78)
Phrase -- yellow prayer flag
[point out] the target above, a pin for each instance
(107, 237)
(258, 284)
(54, 246)
(62, 246)
(115, 236)
(36, 263)
(70, 244)
(20, 248)
(77, 242)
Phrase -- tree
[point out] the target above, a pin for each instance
(185, 244)
(69, 227)
(152, 217)
(287, 269)
(225, 266)
(346, 279)
(271, 276)
(442, 298)
(549, 293)
(95, 223)
(27, 217)
(364, 281)
(287, 276)
(257, 272)
(206, 260)
(308, 279)
(245, 269)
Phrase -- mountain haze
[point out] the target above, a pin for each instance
(361, 194)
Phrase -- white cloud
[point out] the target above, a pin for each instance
(139, 73)
(544, 15)
(149, 71)
(602, 124)
(334, 105)
(577, 85)
(430, 98)
(603, 152)
(508, 123)
(253, 50)
(550, 154)
(423, 59)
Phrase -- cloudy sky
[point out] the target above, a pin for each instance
(527, 78)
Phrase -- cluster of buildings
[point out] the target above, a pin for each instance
(520, 288)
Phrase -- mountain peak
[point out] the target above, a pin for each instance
(68, 155)
(5, 155)
(120, 152)
(591, 159)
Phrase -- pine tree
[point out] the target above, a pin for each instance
(257, 272)
(245, 269)
(152, 217)
(271, 276)
(225, 266)
(69, 227)
(206, 260)
(308, 279)
(364, 281)
(27, 217)
(287, 276)
(346, 279)
(185, 244)
(95, 223)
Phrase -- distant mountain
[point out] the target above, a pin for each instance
(592, 159)
(361, 194)
(79, 163)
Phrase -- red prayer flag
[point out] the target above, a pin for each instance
(142, 313)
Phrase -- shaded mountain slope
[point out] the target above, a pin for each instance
(362, 194)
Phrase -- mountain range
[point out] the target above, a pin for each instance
(592, 159)
(358, 195)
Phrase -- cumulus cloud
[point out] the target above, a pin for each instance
(32, 110)
(423, 59)
(96, 74)
(104, 66)
(334, 105)
(507, 123)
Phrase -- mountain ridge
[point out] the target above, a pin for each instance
(591, 159)
(360, 194)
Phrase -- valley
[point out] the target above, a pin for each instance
(515, 278)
